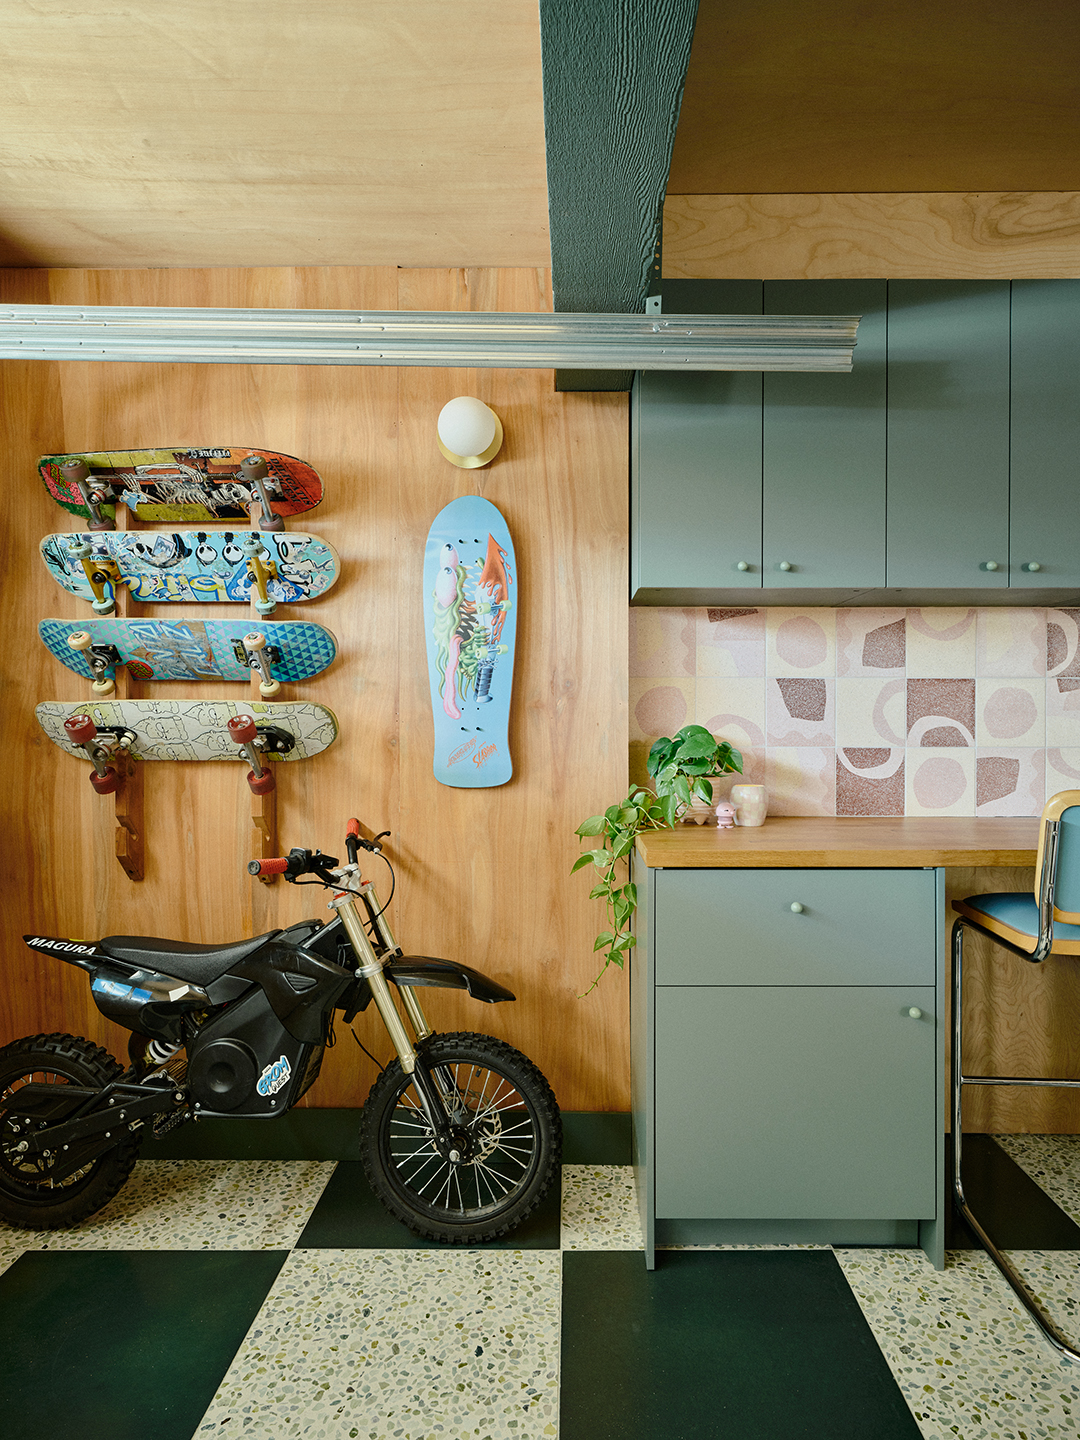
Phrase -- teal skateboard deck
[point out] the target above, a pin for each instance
(182, 485)
(470, 620)
(192, 649)
(191, 566)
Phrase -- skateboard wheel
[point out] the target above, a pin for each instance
(261, 784)
(80, 640)
(242, 729)
(266, 607)
(269, 687)
(254, 467)
(107, 783)
(104, 686)
(103, 607)
(255, 640)
(79, 729)
(75, 470)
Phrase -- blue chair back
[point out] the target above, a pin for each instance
(1065, 808)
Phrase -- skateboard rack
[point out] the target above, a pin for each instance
(128, 799)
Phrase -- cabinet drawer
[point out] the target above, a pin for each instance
(800, 1103)
(737, 927)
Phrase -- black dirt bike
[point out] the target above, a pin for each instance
(460, 1136)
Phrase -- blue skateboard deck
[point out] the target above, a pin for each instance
(470, 621)
(195, 649)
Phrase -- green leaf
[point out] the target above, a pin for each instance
(604, 938)
(592, 826)
(582, 861)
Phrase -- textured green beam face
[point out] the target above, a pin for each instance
(613, 84)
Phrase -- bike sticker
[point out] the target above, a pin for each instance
(274, 1077)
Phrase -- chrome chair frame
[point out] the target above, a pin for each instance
(1049, 845)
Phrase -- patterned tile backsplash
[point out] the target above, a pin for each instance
(870, 711)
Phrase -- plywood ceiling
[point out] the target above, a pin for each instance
(808, 96)
(324, 132)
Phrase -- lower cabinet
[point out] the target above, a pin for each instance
(788, 1057)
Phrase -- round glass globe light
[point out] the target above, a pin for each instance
(467, 426)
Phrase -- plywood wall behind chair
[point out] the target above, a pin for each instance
(483, 874)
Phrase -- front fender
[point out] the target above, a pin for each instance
(446, 975)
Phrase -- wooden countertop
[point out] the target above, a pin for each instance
(821, 841)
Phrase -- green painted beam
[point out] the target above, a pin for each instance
(613, 85)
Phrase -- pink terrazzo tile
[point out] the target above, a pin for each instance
(940, 713)
(871, 712)
(1010, 642)
(940, 642)
(800, 642)
(870, 780)
(801, 782)
(1010, 712)
(799, 711)
(663, 642)
(1009, 781)
(870, 641)
(730, 642)
(659, 707)
(940, 781)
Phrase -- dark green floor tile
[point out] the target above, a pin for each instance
(304, 1134)
(595, 1137)
(1016, 1213)
(721, 1345)
(123, 1345)
(348, 1216)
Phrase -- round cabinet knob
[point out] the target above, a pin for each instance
(914, 1013)
(742, 565)
(796, 908)
(1032, 567)
(990, 565)
(785, 565)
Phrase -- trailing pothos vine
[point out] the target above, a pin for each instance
(681, 767)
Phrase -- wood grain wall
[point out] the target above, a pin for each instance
(482, 875)
(974, 236)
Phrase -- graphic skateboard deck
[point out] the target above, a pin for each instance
(204, 567)
(178, 485)
(470, 619)
(194, 729)
(191, 649)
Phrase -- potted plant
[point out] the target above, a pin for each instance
(683, 767)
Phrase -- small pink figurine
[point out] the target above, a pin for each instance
(725, 815)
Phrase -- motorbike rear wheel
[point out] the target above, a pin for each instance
(29, 1197)
(507, 1133)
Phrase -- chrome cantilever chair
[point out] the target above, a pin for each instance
(1033, 927)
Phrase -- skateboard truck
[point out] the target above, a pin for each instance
(261, 572)
(254, 652)
(252, 738)
(102, 659)
(100, 571)
(255, 471)
(77, 473)
(81, 730)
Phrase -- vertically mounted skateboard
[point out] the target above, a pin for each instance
(183, 485)
(470, 619)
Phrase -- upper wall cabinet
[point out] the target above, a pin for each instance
(941, 470)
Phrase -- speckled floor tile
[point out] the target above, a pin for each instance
(599, 1208)
(399, 1345)
(9, 1254)
(1053, 1162)
(197, 1205)
(968, 1360)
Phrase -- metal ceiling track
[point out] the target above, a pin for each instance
(431, 338)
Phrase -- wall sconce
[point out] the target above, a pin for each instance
(469, 432)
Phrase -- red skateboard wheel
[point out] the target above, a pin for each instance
(80, 729)
(107, 783)
(261, 784)
(242, 729)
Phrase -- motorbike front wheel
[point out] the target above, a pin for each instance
(29, 1197)
(506, 1130)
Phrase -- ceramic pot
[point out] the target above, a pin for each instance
(698, 812)
(752, 802)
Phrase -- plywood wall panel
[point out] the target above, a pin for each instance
(483, 876)
(979, 235)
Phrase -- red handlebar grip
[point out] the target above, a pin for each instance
(353, 828)
(268, 867)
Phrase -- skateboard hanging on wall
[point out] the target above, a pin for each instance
(177, 485)
(204, 567)
(470, 618)
(290, 650)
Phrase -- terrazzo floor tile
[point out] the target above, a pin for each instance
(1053, 1162)
(599, 1208)
(965, 1355)
(399, 1345)
(197, 1205)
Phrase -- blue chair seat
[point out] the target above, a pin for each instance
(1015, 916)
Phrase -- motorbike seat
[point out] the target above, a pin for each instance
(197, 964)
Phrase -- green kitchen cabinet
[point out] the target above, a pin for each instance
(948, 434)
(1045, 435)
(787, 1055)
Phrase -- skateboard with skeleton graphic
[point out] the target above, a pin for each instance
(470, 616)
(201, 566)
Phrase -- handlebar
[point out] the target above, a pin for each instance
(314, 862)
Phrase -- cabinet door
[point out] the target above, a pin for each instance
(1045, 439)
(795, 1103)
(823, 456)
(948, 434)
(696, 463)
